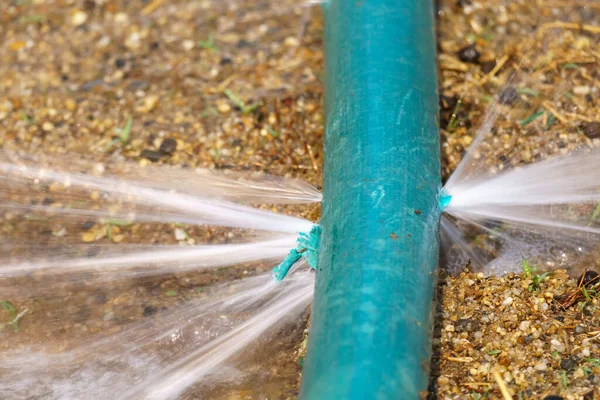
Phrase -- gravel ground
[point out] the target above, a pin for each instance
(236, 85)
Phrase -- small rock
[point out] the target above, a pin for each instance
(47, 126)
(585, 352)
(524, 325)
(553, 397)
(88, 237)
(180, 234)
(149, 104)
(591, 130)
(541, 366)
(223, 108)
(466, 325)
(508, 301)
(588, 277)
(148, 311)
(151, 155)
(120, 62)
(488, 66)
(87, 225)
(70, 104)
(449, 328)
(291, 41)
(580, 329)
(558, 346)
(526, 155)
(528, 339)
(168, 146)
(568, 364)
(469, 54)
(188, 45)
(78, 18)
(508, 96)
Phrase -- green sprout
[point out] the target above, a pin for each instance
(531, 118)
(123, 138)
(208, 44)
(530, 272)
(453, 123)
(241, 104)
(13, 315)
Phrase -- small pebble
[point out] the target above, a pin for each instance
(151, 155)
(558, 346)
(469, 54)
(588, 276)
(168, 146)
(180, 234)
(47, 126)
(591, 130)
(567, 364)
(79, 17)
(508, 96)
(541, 366)
(466, 325)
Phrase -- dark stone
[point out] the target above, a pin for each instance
(560, 318)
(591, 130)
(469, 54)
(87, 225)
(242, 44)
(487, 66)
(508, 96)
(152, 155)
(120, 62)
(154, 46)
(64, 77)
(47, 201)
(528, 339)
(168, 146)
(89, 4)
(589, 277)
(553, 397)
(466, 325)
(148, 311)
(568, 364)
(225, 61)
(236, 142)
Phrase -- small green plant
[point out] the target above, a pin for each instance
(453, 123)
(527, 267)
(530, 272)
(208, 44)
(246, 108)
(14, 317)
(531, 118)
(564, 380)
(595, 214)
(115, 222)
(272, 132)
(123, 138)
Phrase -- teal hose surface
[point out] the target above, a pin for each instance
(371, 325)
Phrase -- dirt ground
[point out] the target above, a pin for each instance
(237, 86)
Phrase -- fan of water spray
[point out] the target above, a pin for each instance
(77, 231)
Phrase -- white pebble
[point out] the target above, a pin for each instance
(585, 352)
(180, 234)
(508, 301)
(558, 346)
(541, 366)
(524, 325)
